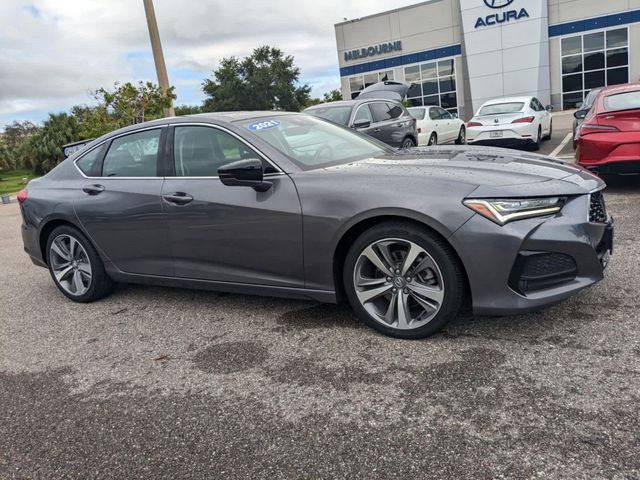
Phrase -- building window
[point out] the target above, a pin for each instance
(433, 83)
(359, 82)
(593, 60)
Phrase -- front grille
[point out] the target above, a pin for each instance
(597, 209)
(539, 270)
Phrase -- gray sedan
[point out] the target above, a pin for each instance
(290, 205)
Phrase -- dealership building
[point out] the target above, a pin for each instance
(460, 53)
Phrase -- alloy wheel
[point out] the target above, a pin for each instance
(70, 265)
(398, 283)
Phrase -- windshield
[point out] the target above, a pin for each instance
(417, 113)
(501, 108)
(337, 114)
(314, 143)
(622, 101)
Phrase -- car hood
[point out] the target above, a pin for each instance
(495, 172)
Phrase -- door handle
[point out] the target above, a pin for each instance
(376, 130)
(93, 189)
(178, 198)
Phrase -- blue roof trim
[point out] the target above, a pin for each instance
(624, 18)
(400, 60)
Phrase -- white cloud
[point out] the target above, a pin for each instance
(53, 52)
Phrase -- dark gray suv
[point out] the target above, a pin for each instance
(378, 112)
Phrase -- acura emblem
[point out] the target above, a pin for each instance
(498, 3)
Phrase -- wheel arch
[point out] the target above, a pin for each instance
(359, 227)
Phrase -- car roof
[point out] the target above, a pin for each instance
(627, 87)
(508, 100)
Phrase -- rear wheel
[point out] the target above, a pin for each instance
(462, 136)
(403, 280)
(408, 143)
(548, 137)
(433, 139)
(75, 266)
(536, 144)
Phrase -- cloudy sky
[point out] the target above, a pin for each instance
(53, 52)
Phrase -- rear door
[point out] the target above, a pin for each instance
(448, 125)
(229, 234)
(120, 207)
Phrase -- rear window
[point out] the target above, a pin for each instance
(622, 101)
(339, 115)
(500, 108)
(417, 113)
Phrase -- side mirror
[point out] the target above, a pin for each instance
(579, 105)
(580, 114)
(244, 173)
(362, 124)
(549, 108)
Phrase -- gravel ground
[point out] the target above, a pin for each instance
(162, 383)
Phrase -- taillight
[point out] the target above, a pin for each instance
(524, 120)
(22, 196)
(587, 128)
(473, 124)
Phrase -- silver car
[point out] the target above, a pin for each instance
(291, 205)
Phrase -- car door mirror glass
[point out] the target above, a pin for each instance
(549, 108)
(244, 173)
(580, 114)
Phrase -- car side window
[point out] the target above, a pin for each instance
(89, 163)
(395, 111)
(363, 114)
(536, 105)
(444, 115)
(434, 114)
(133, 155)
(199, 151)
(380, 112)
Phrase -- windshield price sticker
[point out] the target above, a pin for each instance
(263, 125)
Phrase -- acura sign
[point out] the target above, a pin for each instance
(501, 17)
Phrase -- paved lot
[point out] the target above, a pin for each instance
(161, 383)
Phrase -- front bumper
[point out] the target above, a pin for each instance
(491, 253)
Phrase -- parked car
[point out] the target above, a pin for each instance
(287, 204)
(609, 137)
(583, 110)
(511, 122)
(437, 126)
(377, 111)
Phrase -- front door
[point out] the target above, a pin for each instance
(229, 234)
(119, 204)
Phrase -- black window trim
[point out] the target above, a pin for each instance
(170, 161)
(106, 144)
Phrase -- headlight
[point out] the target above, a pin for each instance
(504, 210)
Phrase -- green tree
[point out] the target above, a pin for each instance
(16, 152)
(334, 95)
(188, 109)
(57, 130)
(265, 80)
(128, 104)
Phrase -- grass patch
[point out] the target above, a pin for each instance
(11, 180)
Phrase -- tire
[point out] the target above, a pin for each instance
(433, 139)
(95, 284)
(462, 136)
(536, 145)
(435, 270)
(408, 143)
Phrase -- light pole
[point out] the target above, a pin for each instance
(158, 57)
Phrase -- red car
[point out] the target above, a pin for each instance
(609, 137)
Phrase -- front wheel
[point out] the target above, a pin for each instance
(403, 280)
(462, 136)
(548, 137)
(75, 266)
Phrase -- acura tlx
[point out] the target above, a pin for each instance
(291, 205)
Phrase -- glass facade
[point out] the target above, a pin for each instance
(593, 60)
(433, 83)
